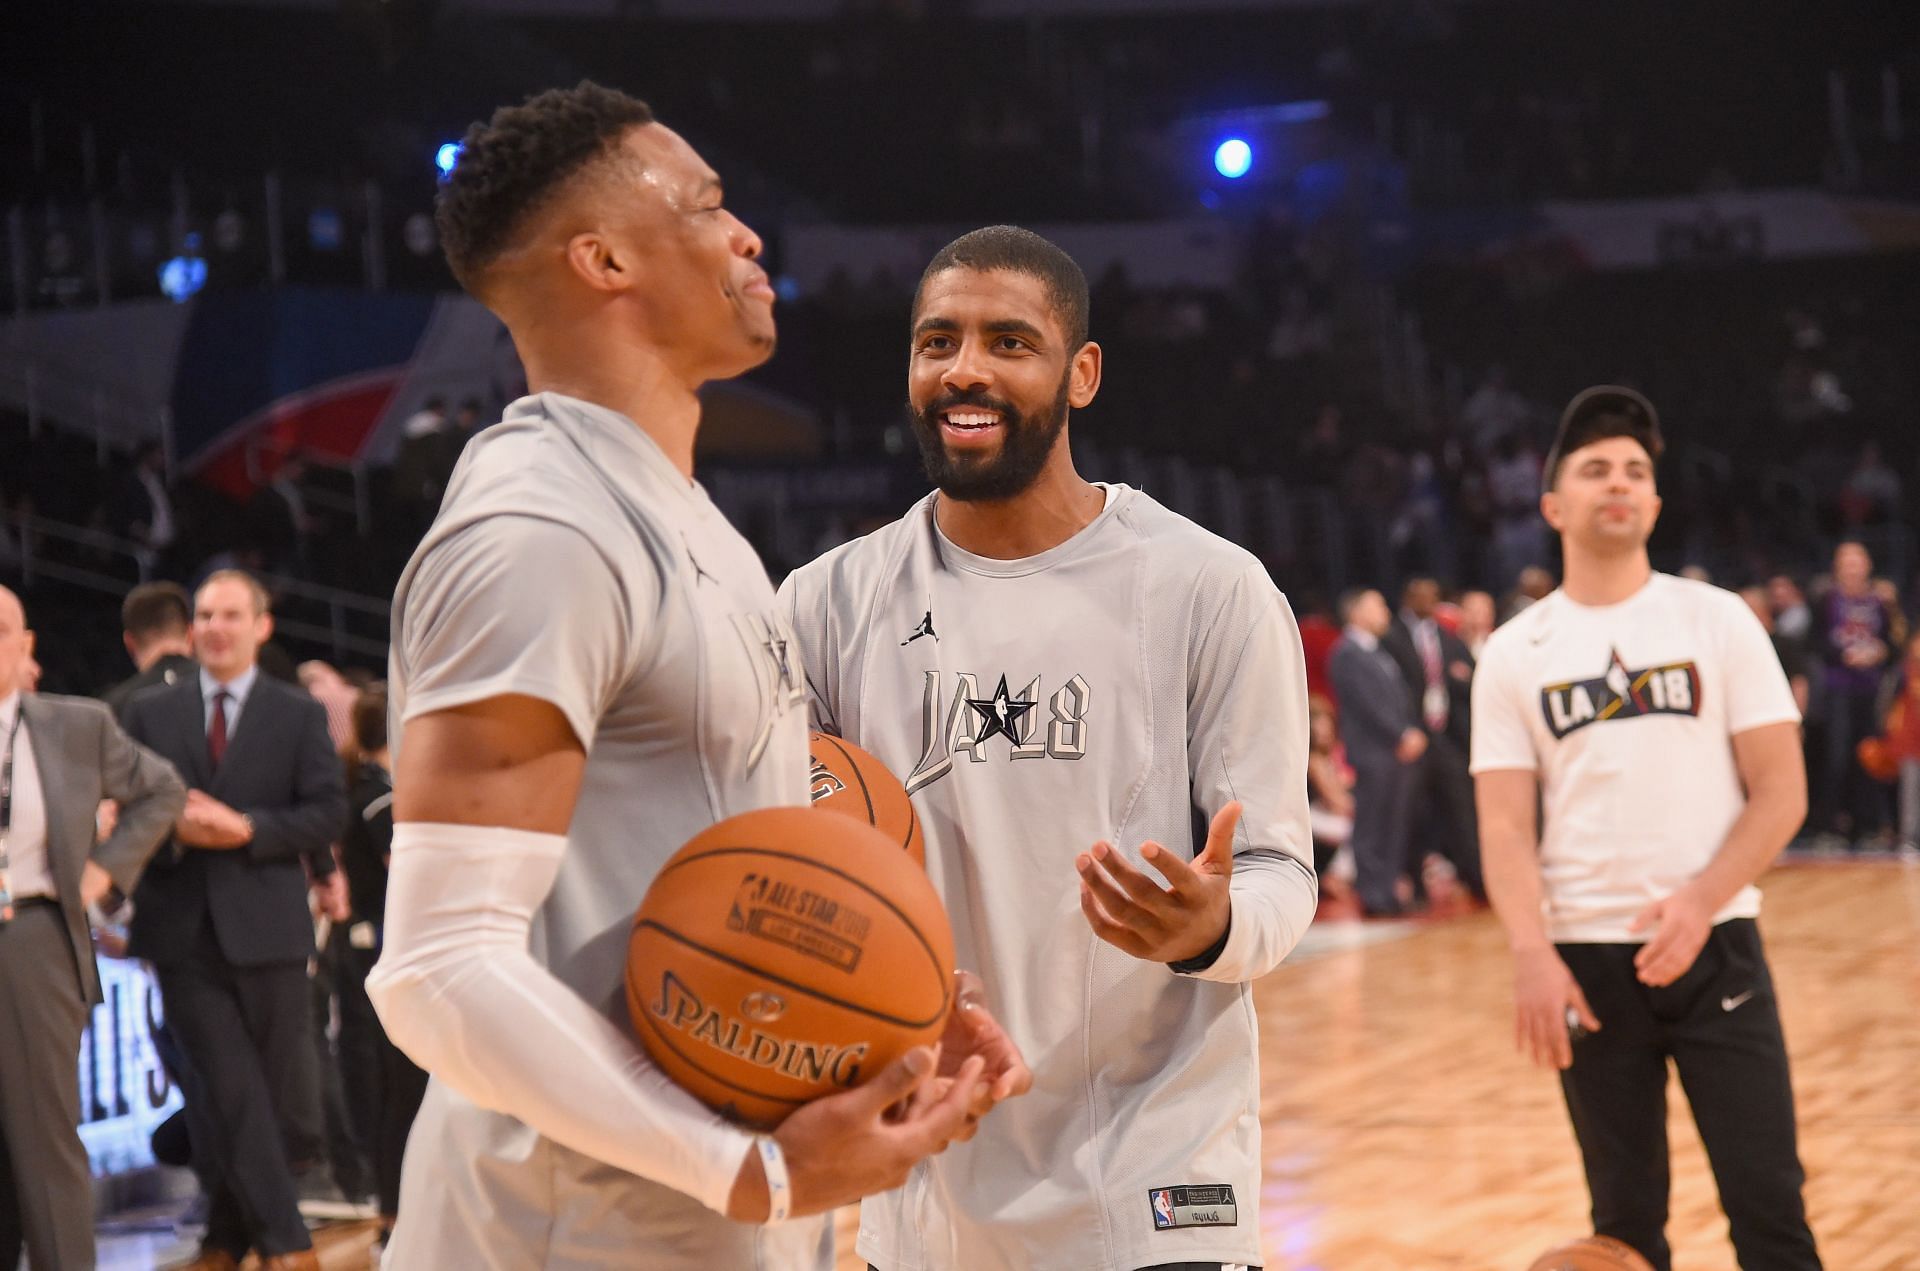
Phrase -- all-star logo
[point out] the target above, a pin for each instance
(1000, 714)
(1621, 693)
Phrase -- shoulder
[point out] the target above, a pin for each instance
(1716, 604)
(72, 712)
(1182, 545)
(861, 562)
(1521, 635)
(158, 695)
(291, 696)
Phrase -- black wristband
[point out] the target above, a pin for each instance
(1207, 957)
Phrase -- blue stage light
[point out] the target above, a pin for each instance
(445, 157)
(1232, 158)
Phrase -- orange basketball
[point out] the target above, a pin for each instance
(1595, 1253)
(847, 779)
(786, 954)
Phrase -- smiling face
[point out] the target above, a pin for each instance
(688, 264)
(990, 382)
(229, 626)
(1603, 499)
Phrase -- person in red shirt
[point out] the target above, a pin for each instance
(1903, 745)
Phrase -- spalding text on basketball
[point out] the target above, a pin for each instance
(683, 1011)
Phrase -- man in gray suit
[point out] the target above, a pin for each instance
(1384, 742)
(60, 757)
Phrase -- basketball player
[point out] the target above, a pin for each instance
(1651, 718)
(588, 669)
(1092, 672)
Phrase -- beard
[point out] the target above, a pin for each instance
(1025, 445)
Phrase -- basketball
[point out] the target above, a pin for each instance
(1595, 1253)
(785, 954)
(845, 778)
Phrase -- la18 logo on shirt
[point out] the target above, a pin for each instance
(971, 719)
(1673, 689)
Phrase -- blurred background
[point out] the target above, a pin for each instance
(1349, 258)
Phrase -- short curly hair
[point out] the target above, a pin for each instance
(1020, 251)
(513, 163)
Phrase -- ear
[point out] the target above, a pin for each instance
(127, 640)
(1084, 380)
(597, 262)
(1550, 509)
(266, 627)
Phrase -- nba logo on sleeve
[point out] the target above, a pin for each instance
(1621, 693)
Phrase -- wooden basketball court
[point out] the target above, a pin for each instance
(1403, 1133)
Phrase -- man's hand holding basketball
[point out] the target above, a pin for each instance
(863, 1141)
(1161, 924)
(972, 1030)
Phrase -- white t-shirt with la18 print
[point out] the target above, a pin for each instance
(1627, 713)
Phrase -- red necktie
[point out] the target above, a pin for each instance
(217, 733)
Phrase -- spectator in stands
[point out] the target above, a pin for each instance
(1495, 411)
(223, 918)
(1324, 451)
(384, 1087)
(1438, 673)
(330, 688)
(63, 756)
(420, 467)
(1791, 616)
(1534, 584)
(1513, 484)
(1903, 740)
(1384, 742)
(279, 525)
(141, 507)
(1329, 791)
(1791, 652)
(1857, 629)
(156, 625)
(1477, 620)
(1872, 492)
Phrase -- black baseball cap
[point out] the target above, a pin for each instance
(1594, 414)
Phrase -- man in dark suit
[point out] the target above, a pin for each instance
(1384, 741)
(61, 756)
(156, 623)
(223, 918)
(1438, 672)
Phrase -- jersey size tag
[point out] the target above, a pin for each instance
(1210, 1205)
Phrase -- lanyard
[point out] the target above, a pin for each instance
(6, 772)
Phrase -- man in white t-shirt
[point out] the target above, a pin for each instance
(1649, 717)
(589, 668)
(1073, 681)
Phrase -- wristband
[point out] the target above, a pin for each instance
(773, 1163)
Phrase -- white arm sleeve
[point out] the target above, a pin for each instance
(459, 992)
(1247, 740)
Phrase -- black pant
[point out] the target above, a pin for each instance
(1720, 1025)
(1382, 803)
(347, 1137)
(1857, 804)
(384, 1087)
(1443, 809)
(245, 1033)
